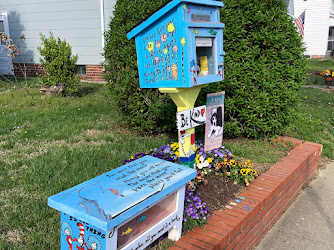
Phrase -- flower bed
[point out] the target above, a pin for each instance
(219, 163)
(241, 225)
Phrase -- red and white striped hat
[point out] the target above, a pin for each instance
(81, 229)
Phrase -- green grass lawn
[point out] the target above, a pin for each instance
(319, 65)
(315, 80)
(315, 120)
(49, 144)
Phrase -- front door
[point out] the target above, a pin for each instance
(6, 66)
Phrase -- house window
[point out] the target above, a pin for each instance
(2, 30)
(81, 70)
(330, 45)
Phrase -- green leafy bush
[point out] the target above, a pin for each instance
(59, 64)
(264, 69)
(145, 109)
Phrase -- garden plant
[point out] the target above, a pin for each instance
(59, 64)
(220, 162)
(264, 69)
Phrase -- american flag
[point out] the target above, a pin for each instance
(300, 23)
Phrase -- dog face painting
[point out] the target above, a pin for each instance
(216, 120)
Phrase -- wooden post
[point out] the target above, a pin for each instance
(185, 98)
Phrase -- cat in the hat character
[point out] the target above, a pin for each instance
(81, 239)
(66, 230)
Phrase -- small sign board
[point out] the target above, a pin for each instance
(203, 42)
(214, 121)
(191, 118)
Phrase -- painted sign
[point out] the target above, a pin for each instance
(109, 199)
(214, 121)
(76, 234)
(191, 118)
(161, 53)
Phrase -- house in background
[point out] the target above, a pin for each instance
(318, 25)
(80, 22)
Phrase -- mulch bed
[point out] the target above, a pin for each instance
(217, 192)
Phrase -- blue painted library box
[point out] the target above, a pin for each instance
(180, 45)
(126, 208)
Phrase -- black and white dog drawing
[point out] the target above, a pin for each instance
(216, 128)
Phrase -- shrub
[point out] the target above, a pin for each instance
(145, 109)
(264, 69)
(59, 64)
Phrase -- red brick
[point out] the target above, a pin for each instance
(263, 180)
(278, 173)
(207, 233)
(266, 196)
(272, 180)
(235, 213)
(313, 144)
(216, 239)
(219, 228)
(240, 237)
(227, 220)
(197, 242)
(250, 197)
(223, 235)
(279, 179)
(185, 245)
(204, 238)
(263, 185)
(175, 248)
(232, 245)
(249, 214)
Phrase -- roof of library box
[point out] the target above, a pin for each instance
(165, 8)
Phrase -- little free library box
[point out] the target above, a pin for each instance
(180, 45)
(126, 208)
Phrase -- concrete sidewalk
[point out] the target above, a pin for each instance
(309, 222)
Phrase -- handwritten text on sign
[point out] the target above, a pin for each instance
(191, 118)
(140, 175)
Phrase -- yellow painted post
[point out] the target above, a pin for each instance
(185, 98)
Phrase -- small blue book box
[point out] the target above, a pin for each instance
(180, 45)
(126, 208)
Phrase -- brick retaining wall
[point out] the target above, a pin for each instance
(265, 200)
(94, 72)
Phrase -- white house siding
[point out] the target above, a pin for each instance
(331, 21)
(316, 24)
(77, 21)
